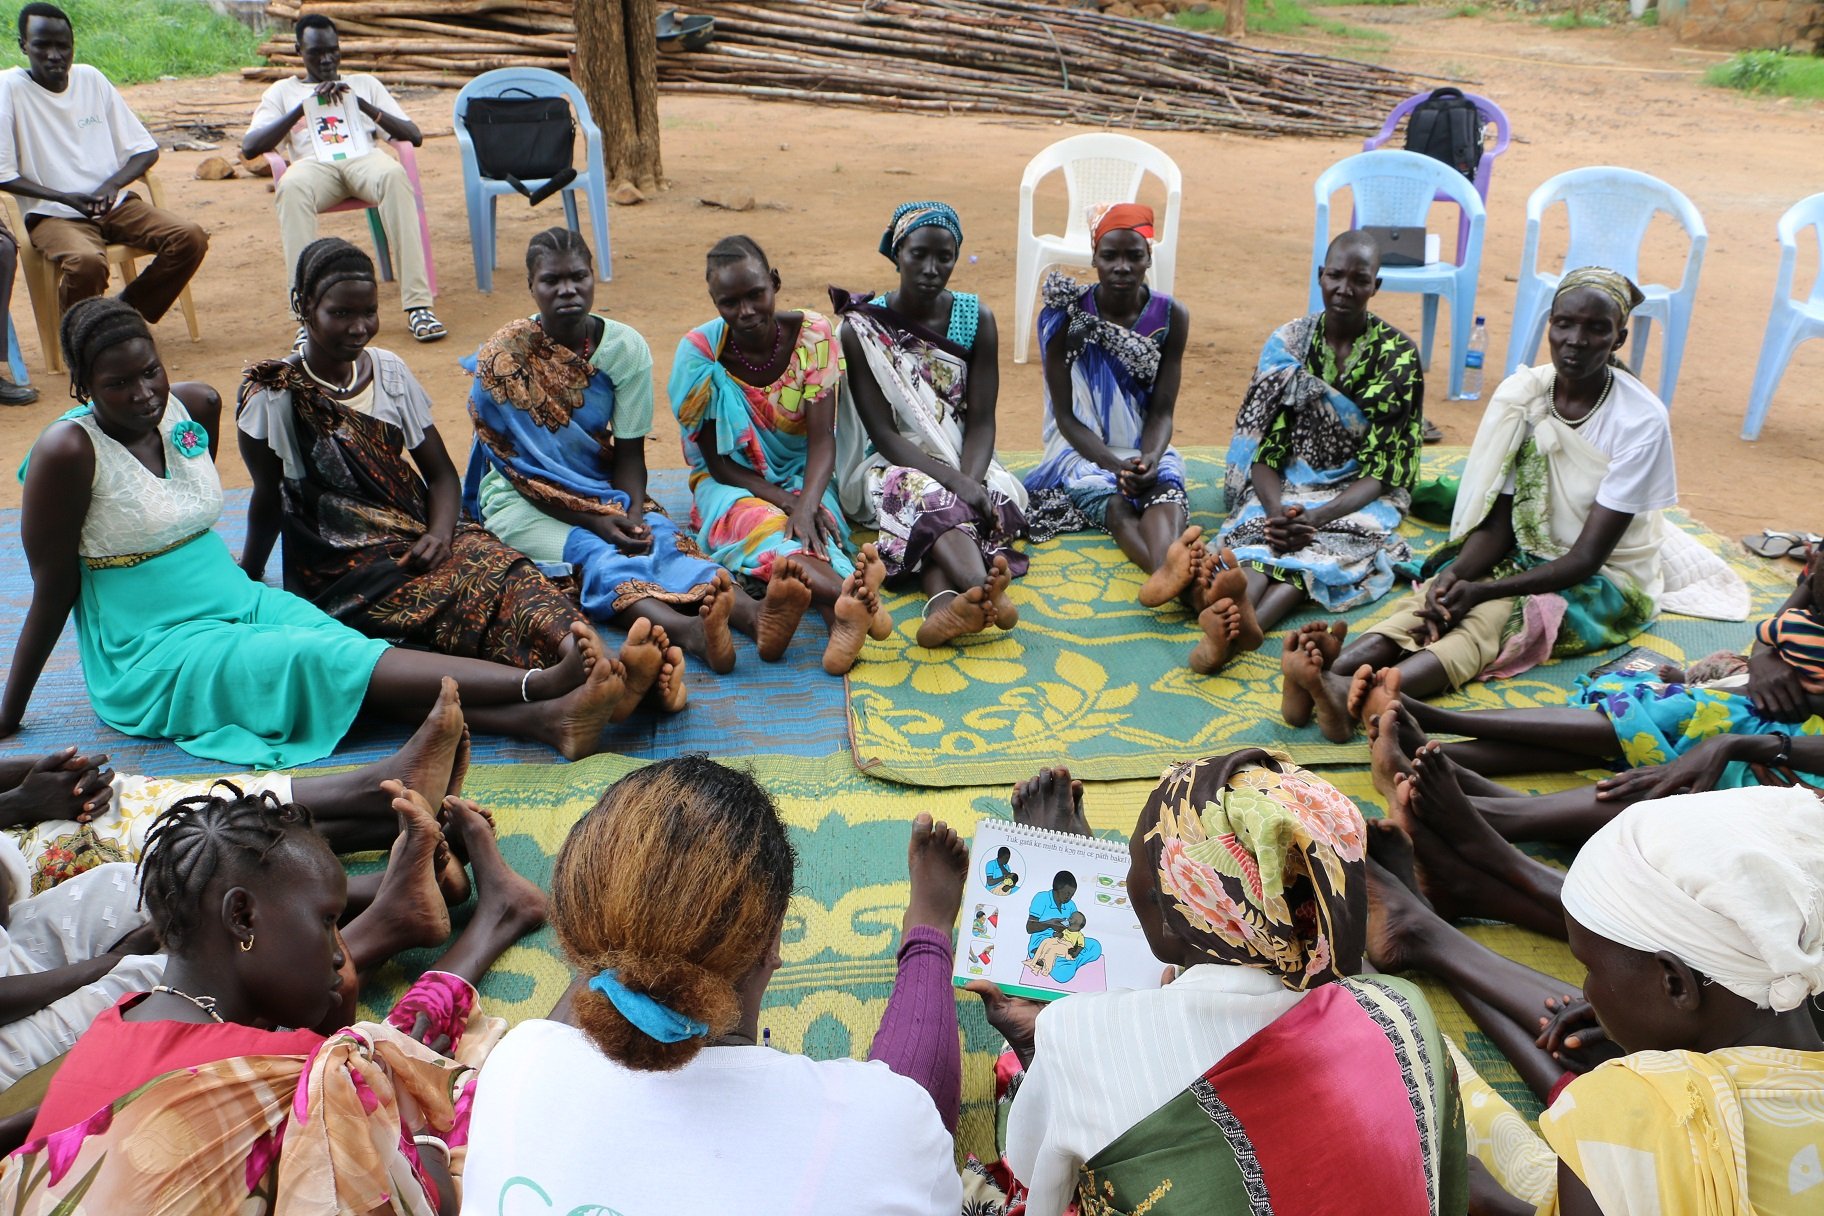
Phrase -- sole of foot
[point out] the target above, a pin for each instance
(1294, 703)
(788, 596)
(718, 641)
(849, 631)
(959, 615)
(1006, 615)
(1169, 581)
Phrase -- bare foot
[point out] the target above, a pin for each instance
(1441, 805)
(959, 614)
(1388, 761)
(1169, 581)
(1221, 624)
(428, 759)
(1304, 666)
(1006, 616)
(1452, 886)
(414, 904)
(1372, 693)
(873, 573)
(574, 723)
(669, 691)
(718, 643)
(459, 765)
(1230, 582)
(642, 654)
(452, 879)
(507, 900)
(1391, 849)
(1294, 702)
(787, 597)
(1196, 593)
(1051, 799)
(938, 862)
(571, 669)
(1397, 918)
(850, 628)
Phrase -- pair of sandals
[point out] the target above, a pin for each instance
(423, 323)
(1774, 543)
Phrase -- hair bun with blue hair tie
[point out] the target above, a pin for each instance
(649, 1017)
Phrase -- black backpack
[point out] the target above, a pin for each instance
(1447, 126)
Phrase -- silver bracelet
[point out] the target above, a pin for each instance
(426, 1140)
(524, 681)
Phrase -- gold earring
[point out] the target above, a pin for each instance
(247, 945)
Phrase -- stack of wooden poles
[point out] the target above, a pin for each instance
(1000, 57)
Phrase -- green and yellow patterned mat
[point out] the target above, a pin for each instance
(842, 930)
(1091, 674)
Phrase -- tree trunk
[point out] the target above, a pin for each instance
(1235, 20)
(617, 66)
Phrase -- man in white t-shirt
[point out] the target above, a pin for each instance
(328, 168)
(69, 148)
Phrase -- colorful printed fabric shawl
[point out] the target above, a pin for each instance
(761, 428)
(1322, 428)
(544, 420)
(279, 1135)
(1111, 380)
(1350, 1094)
(1657, 722)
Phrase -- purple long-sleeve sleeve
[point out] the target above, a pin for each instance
(918, 1033)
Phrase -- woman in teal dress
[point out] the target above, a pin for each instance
(121, 496)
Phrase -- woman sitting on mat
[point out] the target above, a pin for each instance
(669, 898)
(755, 394)
(1209, 1095)
(1322, 466)
(372, 538)
(917, 434)
(121, 496)
(246, 898)
(1559, 525)
(1114, 352)
(1700, 919)
(562, 405)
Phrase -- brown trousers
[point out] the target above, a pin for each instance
(79, 251)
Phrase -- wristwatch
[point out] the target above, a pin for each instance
(1783, 757)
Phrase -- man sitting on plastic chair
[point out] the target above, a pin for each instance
(330, 122)
(69, 148)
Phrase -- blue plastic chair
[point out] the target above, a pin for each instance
(1395, 189)
(1792, 320)
(1609, 211)
(480, 192)
(14, 359)
(1492, 114)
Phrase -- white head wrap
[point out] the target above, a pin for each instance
(1731, 882)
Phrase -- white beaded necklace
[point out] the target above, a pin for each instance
(1552, 401)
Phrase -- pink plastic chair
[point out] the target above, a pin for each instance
(408, 156)
(1485, 169)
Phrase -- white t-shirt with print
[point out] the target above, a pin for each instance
(70, 141)
(559, 1127)
(294, 90)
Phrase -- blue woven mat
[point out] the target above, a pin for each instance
(805, 711)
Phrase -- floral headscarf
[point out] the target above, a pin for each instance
(1266, 871)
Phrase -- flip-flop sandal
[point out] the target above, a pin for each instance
(1431, 433)
(1773, 543)
(424, 325)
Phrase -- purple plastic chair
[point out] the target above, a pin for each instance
(1485, 170)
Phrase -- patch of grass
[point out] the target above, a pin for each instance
(1771, 74)
(1467, 10)
(137, 40)
(1574, 21)
(1649, 18)
(1283, 17)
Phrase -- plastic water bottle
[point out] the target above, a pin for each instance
(1473, 359)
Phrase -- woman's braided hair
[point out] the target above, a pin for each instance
(555, 242)
(194, 840)
(92, 326)
(677, 880)
(324, 263)
(732, 249)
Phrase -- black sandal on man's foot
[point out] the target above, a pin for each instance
(425, 325)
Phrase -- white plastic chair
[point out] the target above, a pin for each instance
(1609, 210)
(1099, 168)
(1792, 320)
(1394, 188)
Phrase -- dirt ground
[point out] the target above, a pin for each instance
(827, 178)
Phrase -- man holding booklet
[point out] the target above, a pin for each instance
(328, 123)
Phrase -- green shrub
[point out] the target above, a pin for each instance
(138, 40)
(1771, 73)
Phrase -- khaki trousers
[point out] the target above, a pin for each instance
(79, 251)
(312, 186)
(1466, 650)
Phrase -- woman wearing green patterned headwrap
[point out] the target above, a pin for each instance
(1214, 1094)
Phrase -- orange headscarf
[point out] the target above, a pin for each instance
(1125, 215)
